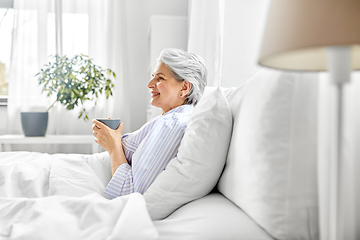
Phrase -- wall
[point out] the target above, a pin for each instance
(177, 37)
(243, 27)
(227, 35)
(139, 13)
(138, 20)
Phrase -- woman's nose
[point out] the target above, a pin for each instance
(151, 83)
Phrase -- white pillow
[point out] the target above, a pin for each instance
(200, 159)
(271, 167)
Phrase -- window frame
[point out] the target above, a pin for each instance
(5, 4)
(3, 100)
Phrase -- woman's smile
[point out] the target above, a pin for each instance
(165, 89)
(155, 94)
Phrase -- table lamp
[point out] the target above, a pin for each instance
(321, 35)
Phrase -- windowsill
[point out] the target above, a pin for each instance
(3, 101)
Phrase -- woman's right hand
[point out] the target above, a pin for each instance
(108, 138)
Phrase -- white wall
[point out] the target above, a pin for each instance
(139, 13)
(138, 20)
(239, 63)
(243, 27)
(227, 35)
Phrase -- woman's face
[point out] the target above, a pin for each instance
(166, 92)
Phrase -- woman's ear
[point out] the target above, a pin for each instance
(185, 89)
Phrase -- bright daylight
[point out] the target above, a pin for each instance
(179, 120)
(6, 28)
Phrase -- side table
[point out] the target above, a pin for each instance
(6, 140)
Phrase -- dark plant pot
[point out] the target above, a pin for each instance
(34, 124)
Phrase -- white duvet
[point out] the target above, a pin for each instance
(60, 196)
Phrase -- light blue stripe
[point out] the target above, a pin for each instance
(148, 151)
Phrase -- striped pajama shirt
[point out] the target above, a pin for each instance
(148, 151)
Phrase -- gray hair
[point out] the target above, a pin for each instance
(186, 66)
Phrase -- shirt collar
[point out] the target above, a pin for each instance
(182, 108)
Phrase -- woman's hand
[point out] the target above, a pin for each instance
(109, 139)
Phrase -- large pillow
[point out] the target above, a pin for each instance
(200, 159)
(271, 167)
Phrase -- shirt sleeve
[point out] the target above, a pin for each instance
(150, 158)
(121, 183)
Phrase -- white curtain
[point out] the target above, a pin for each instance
(352, 141)
(233, 40)
(29, 51)
(349, 165)
(201, 38)
(95, 28)
(227, 34)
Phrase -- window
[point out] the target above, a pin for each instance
(6, 28)
(75, 39)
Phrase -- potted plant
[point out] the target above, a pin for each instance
(75, 81)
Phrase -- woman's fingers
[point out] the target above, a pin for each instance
(120, 128)
(98, 131)
(98, 124)
(105, 136)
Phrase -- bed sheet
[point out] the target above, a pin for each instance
(60, 196)
(212, 217)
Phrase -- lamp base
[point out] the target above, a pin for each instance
(333, 174)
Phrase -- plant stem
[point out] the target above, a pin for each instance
(51, 105)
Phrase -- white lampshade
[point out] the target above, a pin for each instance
(298, 31)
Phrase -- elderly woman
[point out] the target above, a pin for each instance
(138, 158)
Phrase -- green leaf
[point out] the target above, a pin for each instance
(74, 86)
(70, 106)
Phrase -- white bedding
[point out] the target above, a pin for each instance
(60, 196)
(213, 217)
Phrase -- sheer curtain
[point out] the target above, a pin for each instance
(95, 28)
(227, 34)
(234, 38)
(352, 150)
(32, 19)
(349, 215)
(201, 39)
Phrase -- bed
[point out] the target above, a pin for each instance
(246, 169)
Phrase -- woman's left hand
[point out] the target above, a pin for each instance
(108, 138)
